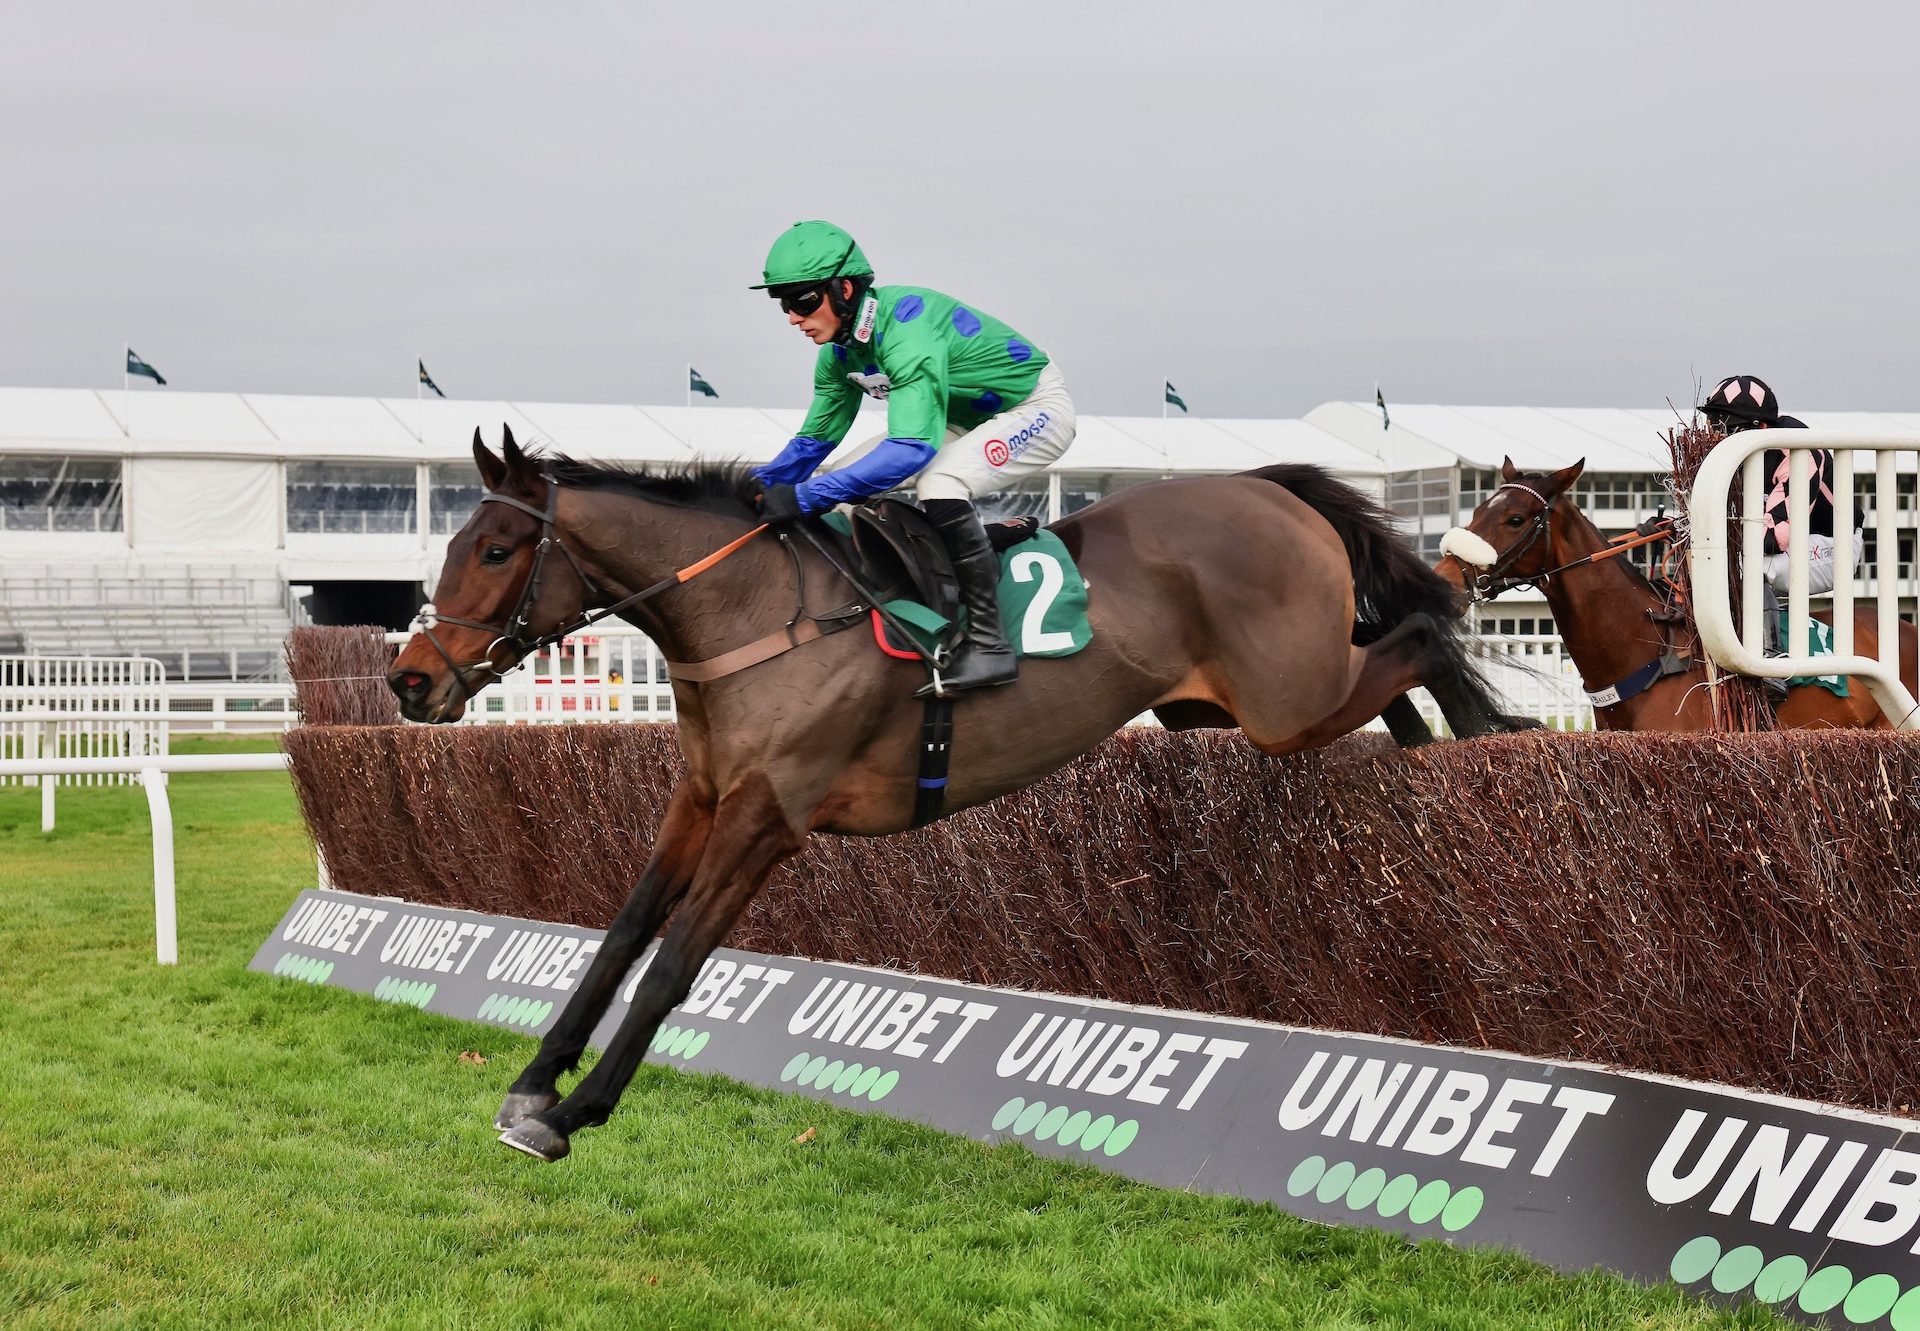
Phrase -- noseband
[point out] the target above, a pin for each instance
(1494, 580)
(512, 632)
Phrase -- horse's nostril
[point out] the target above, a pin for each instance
(410, 681)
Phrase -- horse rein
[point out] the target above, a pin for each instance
(511, 631)
(1491, 584)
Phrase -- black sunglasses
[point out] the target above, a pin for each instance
(805, 303)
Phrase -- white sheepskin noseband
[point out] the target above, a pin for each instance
(1464, 546)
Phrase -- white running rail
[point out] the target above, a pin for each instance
(152, 773)
(1739, 648)
(614, 673)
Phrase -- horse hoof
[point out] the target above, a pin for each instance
(520, 1106)
(536, 1139)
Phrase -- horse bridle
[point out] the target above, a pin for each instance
(511, 631)
(1491, 583)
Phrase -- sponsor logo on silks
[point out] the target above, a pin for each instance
(1020, 441)
(869, 311)
(997, 453)
(874, 383)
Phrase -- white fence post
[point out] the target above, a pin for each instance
(166, 939)
(1740, 650)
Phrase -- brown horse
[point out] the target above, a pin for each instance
(1610, 616)
(1221, 601)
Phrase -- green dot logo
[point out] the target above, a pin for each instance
(1427, 1203)
(1780, 1279)
(1060, 1123)
(1366, 1188)
(1824, 1289)
(310, 970)
(858, 1080)
(1395, 1196)
(1737, 1269)
(1335, 1182)
(1370, 1189)
(1871, 1299)
(1462, 1209)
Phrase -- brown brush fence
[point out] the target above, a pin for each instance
(1735, 908)
(339, 676)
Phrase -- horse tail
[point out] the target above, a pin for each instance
(1390, 583)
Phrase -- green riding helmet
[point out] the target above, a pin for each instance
(812, 252)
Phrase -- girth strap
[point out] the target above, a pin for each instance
(936, 747)
(765, 649)
(1667, 663)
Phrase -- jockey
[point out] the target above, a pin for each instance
(1743, 402)
(972, 407)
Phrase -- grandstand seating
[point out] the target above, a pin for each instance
(201, 620)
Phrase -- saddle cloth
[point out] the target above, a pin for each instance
(1043, 598)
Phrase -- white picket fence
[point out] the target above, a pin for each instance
(82, 707)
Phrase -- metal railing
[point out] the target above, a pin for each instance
(1740, 647)
(152, 773)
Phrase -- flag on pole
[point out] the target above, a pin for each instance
(1173, 397)
(696, 384)
(1385, 420)
(137, 366)
(427, 379)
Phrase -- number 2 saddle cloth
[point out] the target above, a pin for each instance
(1043, 598)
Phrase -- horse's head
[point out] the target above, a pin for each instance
(1508, 541)
(499, 592)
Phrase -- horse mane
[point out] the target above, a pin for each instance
(727, 488)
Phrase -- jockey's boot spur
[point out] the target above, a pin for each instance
(983, 658)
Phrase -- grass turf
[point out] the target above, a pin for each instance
(200, 1146)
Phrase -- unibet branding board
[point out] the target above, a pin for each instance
(1812, 1209)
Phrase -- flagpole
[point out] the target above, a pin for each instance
(689, 383)
(126, 389)
(1164, 381)
(419, 400)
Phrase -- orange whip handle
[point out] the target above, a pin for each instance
(700, 566)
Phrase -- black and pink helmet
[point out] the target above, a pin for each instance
(1742, 397)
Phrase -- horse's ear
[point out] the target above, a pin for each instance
(1507, 470)
(492, 470)
(517, 465)
(1564, 478)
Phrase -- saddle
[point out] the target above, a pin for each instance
(895, 555)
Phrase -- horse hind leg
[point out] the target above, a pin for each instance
(676, 853)
(1415, 652)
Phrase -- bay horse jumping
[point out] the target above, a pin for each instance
(1216, 601)
(1611, 617)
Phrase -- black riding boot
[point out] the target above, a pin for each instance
(983, 657)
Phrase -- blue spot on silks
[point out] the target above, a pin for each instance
(987, 403)
(1019, 351)
(871, 369)
(909, 309)
(839, 353)
(965, 321)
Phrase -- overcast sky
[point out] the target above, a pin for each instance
(1272, 204)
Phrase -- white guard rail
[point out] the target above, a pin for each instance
(152, 773)
(1740, 648)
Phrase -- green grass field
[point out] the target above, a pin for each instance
(200, 1146)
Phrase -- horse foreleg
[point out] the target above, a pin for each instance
(676, 853)
(750, 835)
